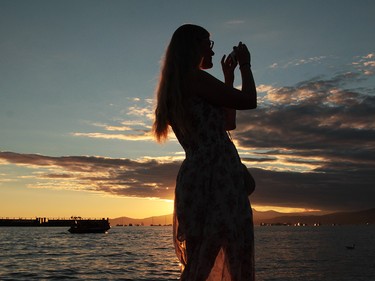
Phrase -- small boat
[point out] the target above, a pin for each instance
(90, 226)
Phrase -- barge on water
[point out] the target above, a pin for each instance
(90, 226)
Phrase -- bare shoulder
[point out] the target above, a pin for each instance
(204, 84)
(217, 92)
(202, 77)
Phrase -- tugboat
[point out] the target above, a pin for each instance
(90, 226)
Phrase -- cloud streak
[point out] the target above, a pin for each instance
(138, 129)
(299, 62)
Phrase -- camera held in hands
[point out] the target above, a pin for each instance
(233, 56)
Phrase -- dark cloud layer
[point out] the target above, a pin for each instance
(115, 176)
(321, 120)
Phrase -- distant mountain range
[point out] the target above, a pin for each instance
(157, 220)
(272, 217)
(341, 218)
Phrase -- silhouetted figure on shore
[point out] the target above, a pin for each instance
(213, 224)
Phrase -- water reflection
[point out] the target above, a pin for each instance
(146, 253)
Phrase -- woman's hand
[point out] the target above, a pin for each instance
(243, 54)
(228, 66)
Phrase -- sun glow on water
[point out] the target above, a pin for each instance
(262, 208)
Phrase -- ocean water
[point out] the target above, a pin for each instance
(146, 253)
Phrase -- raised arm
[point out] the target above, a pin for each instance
(244, 61)
(228, 64)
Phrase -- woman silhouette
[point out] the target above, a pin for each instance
(213, 225)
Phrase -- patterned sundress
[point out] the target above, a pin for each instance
(213, 224)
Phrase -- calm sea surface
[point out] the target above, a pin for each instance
(146, 253)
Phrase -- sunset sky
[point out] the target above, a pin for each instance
(77, 82)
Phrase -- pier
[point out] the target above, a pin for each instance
(38, 222)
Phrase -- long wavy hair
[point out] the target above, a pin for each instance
(183, 55)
